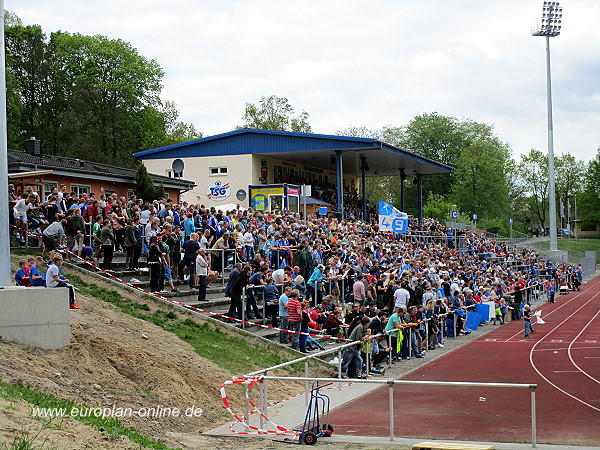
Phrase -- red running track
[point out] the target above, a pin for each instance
(562, 358)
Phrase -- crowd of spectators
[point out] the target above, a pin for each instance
(319, 274)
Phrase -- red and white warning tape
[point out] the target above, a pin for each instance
(242, 419)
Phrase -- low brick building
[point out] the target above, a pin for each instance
(44, 172)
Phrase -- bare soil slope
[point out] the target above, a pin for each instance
(115, 359)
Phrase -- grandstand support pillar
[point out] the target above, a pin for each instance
(420, 197)
(402, 180)
(340, 184)
(363, 184)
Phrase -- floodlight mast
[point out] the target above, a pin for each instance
(551, 24)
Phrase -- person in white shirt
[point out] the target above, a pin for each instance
(401, 297)
(454, 286)
(248, 241)
(54, 280)
(202, 273)
(281, 276)
(206, 239)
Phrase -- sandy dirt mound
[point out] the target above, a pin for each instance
(115, 359)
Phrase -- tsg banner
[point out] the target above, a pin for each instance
(390, 219)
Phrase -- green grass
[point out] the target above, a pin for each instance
(579, 245)
(235, 353)
(575, 247)
(112, 426)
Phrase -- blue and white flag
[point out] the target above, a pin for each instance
(390, 219)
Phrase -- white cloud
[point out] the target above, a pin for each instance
(348, 62)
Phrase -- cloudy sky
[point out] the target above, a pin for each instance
(361, 63)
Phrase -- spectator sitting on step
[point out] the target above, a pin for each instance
(53, 279)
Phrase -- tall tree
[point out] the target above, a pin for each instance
(28, 56)
(589, 200)
(533, 175)
(569, 182)
(86, 96)
(111, 84)
(274, 113)
(480, 182)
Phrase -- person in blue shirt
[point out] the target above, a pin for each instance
(272, 249)
(35, 276)
(21, 277)
(188, 227)
(313, 287)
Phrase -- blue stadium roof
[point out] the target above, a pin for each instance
(307, 148)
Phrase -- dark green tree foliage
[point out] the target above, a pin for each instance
(144, 187)
(589, 201)
(436, 137)
(480, 181)
(274, 113)
(89, 97)
(533, 177)
(569, 184)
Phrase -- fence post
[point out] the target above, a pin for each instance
(266, 394)
(533, 418)
(222, 268)
(247, 410)
(243, 299)
(264, 299)
(391, 404)
(306, 382)
(340, 368)
(262, 406)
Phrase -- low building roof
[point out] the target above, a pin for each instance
(19, 161)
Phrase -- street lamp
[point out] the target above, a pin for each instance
(551, 20)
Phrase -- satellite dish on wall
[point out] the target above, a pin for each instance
(177, 167)
(240, 195)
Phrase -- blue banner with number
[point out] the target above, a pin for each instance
(390, 219)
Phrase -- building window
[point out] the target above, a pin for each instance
(81, 189)
(130, 192)
(48, 186)
(216, 171)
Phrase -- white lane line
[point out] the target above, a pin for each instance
(531, 352)
(573, 341)
(556, 349)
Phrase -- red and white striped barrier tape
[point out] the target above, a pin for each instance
(251, 382)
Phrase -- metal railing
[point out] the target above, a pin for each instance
(263, 408)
